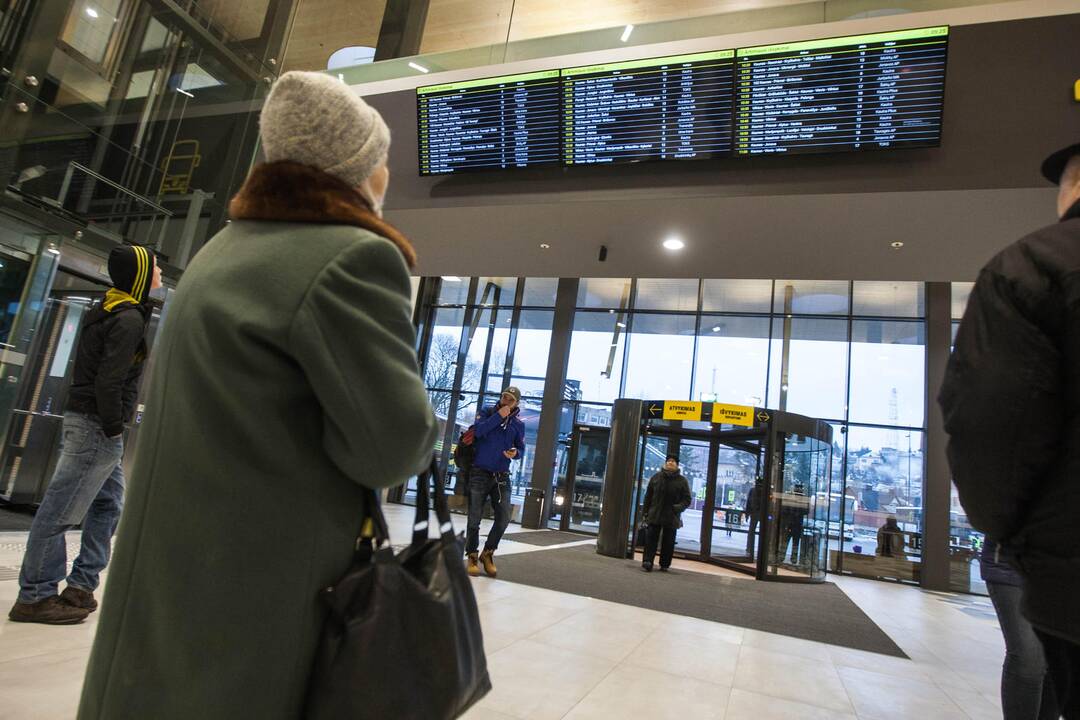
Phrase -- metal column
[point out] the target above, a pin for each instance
(937, 491)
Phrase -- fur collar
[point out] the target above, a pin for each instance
(291, 192)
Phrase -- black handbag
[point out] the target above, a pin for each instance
(402, 638)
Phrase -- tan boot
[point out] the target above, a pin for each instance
(488, 559)
(473, 567)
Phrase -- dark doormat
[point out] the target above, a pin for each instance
(544, 538)
(812, 612)
(15, 517)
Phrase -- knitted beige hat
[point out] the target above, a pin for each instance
(317, 120)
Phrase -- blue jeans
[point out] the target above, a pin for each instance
(1027, 693)
(482, 486)
(87, 487)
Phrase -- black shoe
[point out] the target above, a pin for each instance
(663, 569)
(50, 611)
(77, 597)
(646, 567)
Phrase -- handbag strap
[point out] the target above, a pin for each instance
(431, 476)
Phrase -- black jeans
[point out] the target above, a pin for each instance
(1026, 691)
(484, 485)
(1063, 658)
(667, 545)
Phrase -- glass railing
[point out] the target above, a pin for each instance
(509, 50)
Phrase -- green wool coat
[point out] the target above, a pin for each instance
(285, 379)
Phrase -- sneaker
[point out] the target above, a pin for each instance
(473, 566)
(646, 567)
(77, 597)
(50, 611)
(487, 559)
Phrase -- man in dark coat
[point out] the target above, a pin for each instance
(667, 496)
(88, 484)
(1011, 403)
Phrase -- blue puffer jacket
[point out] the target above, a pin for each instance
(493, 436)
(995, 567)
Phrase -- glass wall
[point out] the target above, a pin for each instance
(483, 334)
(850, 353)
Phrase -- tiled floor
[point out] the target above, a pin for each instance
(553, 655)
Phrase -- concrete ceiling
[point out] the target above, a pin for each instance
(947, 235)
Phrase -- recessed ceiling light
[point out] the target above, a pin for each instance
(92, 12)
(545, 246)
(674, 244)
(897, 245)
(716, 328)
(421, 68)
(626, 33)
(451, 278)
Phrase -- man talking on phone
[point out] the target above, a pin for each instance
(499, 436)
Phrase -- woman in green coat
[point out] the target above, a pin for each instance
(285, 382)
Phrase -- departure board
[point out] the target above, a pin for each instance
(496, 123)
(864, 92)
(672, 108)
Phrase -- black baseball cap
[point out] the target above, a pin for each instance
(1054, 165)
(672, 457)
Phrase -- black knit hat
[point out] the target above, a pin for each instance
(131, 268)
(1053, 167)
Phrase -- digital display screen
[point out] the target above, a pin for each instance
(496, 123)
(672, 108)
(884, 90)
(863, 92)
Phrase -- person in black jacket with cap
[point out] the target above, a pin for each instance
(667, 496)
(87, 486)
(1011, 405)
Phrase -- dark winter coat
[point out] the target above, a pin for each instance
(666, 497)
(1011, 403)
(108, 363)
(285, 381)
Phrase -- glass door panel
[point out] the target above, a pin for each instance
(590, 465)
(558, 484)
(694, 465)
(736, 507)
(800, 506)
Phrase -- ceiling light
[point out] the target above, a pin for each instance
(897, 245)
(622, 325)
(716, 328)
(626, 33)
(451, 278)
(674, 244)
(545, 246)
(421, 68)
(182, 91)
(92, 12)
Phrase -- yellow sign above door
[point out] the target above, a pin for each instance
(682, 410)
(723, 414)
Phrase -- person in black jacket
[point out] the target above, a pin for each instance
(88, 484)
(667, 496)
(1011, 405)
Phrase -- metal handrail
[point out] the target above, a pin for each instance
(73, 166)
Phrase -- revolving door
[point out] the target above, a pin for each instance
(759, 482)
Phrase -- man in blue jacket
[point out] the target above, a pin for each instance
(499, 436)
